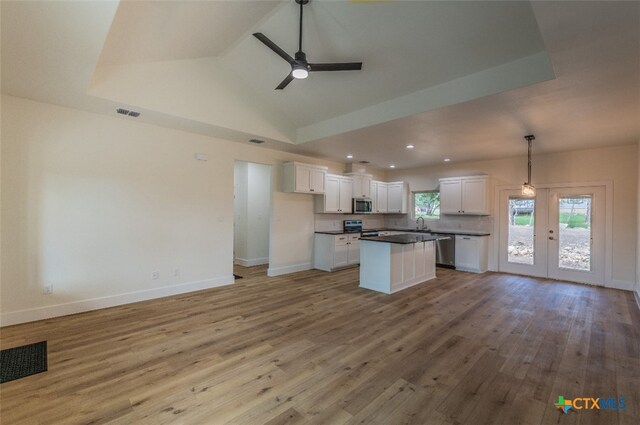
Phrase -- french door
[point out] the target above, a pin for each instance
(559, 234)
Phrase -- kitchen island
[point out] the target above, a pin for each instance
(391, 263)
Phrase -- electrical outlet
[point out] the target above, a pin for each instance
(47, 289)
(155, 275)
(176, 272)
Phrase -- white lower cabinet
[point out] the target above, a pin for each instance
(332, 252)
(472, 253)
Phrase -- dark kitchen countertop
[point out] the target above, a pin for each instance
(338, 232)
(404, 239)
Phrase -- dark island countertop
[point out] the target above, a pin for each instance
(442, 232)
(404, 239)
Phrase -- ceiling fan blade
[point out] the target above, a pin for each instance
(285, 82)
(273, 46)
(349, 66)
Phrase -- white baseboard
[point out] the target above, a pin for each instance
(277, 271)
(620, 284)
(252, 261)
(47, 312)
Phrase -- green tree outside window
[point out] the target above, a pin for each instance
(427, 205)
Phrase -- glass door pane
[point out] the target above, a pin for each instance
(521, 235)
(574, 232)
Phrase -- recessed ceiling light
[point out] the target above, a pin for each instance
(349, 156)
(447, 159)
(410, 146)
(392, 166)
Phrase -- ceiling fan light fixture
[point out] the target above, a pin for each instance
(299, 72)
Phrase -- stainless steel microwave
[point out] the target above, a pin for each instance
(362, 206)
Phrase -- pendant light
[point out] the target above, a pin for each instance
(527, 187)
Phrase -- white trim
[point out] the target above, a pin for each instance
(637, 297)
(47, 312)
(278, 271)
(620, 284)
(252, 261)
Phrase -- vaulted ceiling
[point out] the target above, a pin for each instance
(463, 80)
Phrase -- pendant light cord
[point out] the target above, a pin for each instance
(529, 162)
(300, 34)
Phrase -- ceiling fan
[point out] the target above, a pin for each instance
(300, 68)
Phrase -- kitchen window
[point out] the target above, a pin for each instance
(426, 204)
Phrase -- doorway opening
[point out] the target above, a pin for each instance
(251, 219)
(558, 234)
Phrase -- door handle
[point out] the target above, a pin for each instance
(551, 238)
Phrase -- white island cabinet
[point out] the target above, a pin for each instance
(387, 266)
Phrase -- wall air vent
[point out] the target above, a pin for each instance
(256, 141)
(123, 111)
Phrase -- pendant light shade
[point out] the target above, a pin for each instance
(527, 188)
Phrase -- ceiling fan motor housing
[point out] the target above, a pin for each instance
(301, 59)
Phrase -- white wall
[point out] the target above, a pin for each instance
(252, 212)
(617, 164)
(638, 235)
(94, 204)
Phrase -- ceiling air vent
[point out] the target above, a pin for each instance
(256, 141)
(123, 111)
(363, 162)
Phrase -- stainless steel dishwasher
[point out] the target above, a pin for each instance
(446, 251)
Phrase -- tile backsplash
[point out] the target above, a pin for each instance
(472, 223)
(331, 222)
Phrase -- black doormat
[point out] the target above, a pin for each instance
(20, 362)
(237, 276)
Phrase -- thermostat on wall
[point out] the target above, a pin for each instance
(200, 157)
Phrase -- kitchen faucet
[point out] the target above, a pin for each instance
(421, 227)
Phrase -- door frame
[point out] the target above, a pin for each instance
(271, 207)
(609, 282)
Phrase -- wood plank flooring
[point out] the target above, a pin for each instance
(313, 348)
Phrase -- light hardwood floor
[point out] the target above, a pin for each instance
(312, 347)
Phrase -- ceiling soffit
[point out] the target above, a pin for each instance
(455, 51)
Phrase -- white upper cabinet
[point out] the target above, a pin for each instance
(361, 185)
(303, 178)
(465, 195)
(450, 196)
(346, 194)
(380, 193)
(397, 197)
(337, 196)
